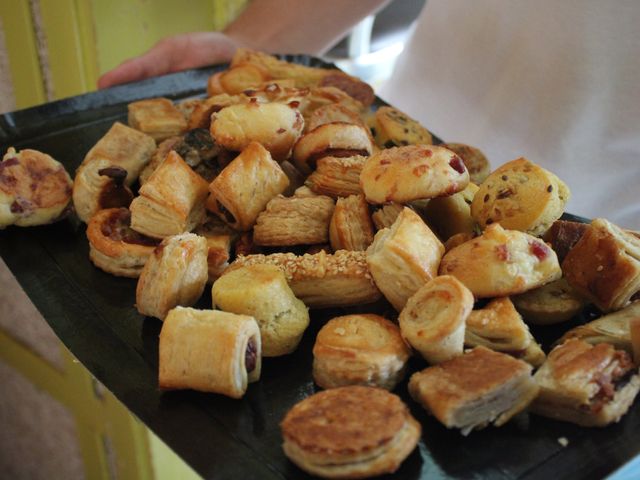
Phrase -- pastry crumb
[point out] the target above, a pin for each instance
(564, 441)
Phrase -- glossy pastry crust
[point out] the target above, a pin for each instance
(351, 227)
(209, 351)
(175, 274)
(349, 432)
(337, 176)
(157, 117)
(359, 350)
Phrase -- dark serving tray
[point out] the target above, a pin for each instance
(92, 313)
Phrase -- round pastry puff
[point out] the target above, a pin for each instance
(114, 247)
(501, 262)
(433, 321)
(359, 350)
(349, 432)
(414, 172)
(35, 189)
(520, 196)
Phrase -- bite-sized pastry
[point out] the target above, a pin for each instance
(262, 292)
(303, 192)
(591, 386)
(35, 189)
(433, 320)
(187, 107)
(554, 302)
(276, 126)
(333, 112)
(336, 139)
(219, 237)
(563, 235)
(158, 157)
(294, 221)
(323, 280)
(404, 257)
(171, 201)
(175, 274)
(501, 262)
(403, 174)
(393, 128)
(242, 76)
(337, 176)
(209, 351)
(458, 239)
(363, 349)
(474, 390)
(157, 117)
(114, 247)
(201, 115)
(321, 96)
(475, 161)
(451, 215)
(498, 326)
(351, 227)
(386, 215)
(604, 265)
(352, 86)
(349, 432)
(109, 168)
(520, 195)
(245, 186)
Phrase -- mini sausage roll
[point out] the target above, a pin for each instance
(209, 351)
(337, 176)
(294, 221)
(276, 126)
(359, 350)
(114, 247)
(109, 168)
(175, 274)
(351, 227)
(393, 128)
(333, 112)
(552, 303)
(473, 158)
(448, 216)
(433, 320)
(262, 292)
(404, 257)
(157, 117)
(171, 201)
(386, 215)
(414, 172)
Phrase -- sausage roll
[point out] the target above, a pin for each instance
(209, 351)
(175, 274)
(337, 176)
(157, 117)
(552, 303)
(476, 162)
(404, 257)
(386, 215)
(245, 186)
(393, 128)
(351, 227)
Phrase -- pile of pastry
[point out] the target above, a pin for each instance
(288, 192)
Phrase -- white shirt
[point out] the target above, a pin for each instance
(556, 82)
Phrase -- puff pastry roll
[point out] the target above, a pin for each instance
(591, 386)
(351, 227)
(157, 117)
(498, 326)
(262, 292)
(604, 265)
(294, 221)
(109, 168)
(386, 215)
(433, 320)
(245, 186)
(359, 350)
(322, 280)
(175, 274)
(552, 303)
(501, 262)
(474, 390)
(114, 247)
(209, 351)
(404, 257)
(337, 176)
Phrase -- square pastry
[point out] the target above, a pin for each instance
(157, 117)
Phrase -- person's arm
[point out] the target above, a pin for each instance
(275, 26)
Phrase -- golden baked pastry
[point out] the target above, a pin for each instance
(319, 97)
(404, 257)
(158, 157)
(403, 174)
(35, 189)
(333, 112)
(294, 221)
(351, 227)
(361, 349)
(337, 176)
(448, 216)
(157, 117)
(209, 351)
(458, 239)
(242, 76)
(475, 161)
(261, 291)
(520, 196)
(604, 265)
(386, 215)
(563, 235)
(245, 186)
(501, 262)
(554, 302)
(474, 390)
(433, 320)
(219, 238)
(175, 274)
(591, 386)
(393, 128)
(200, 117)
(352, 86)
(114, 247)
(349, 432)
